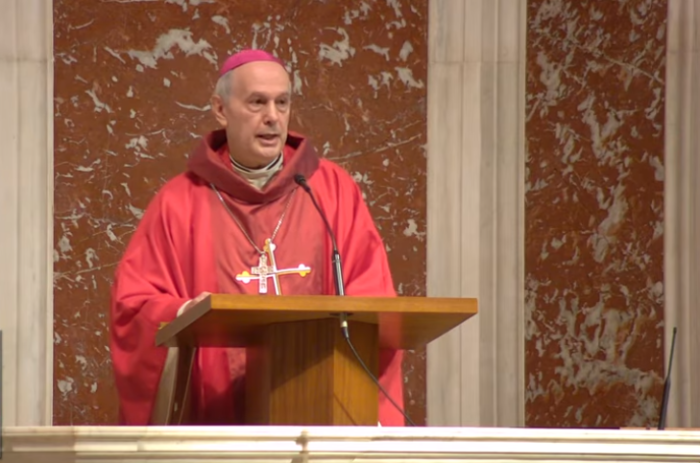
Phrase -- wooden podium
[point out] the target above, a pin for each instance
(300, 369)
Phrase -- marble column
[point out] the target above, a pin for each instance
(475, 233)
(26, 199)
(594, 213)
(682, 210)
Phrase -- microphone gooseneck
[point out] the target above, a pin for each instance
(340, 291)
(337, 267)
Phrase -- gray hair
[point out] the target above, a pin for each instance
(223, 86)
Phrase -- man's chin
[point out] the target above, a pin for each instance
(270, 152)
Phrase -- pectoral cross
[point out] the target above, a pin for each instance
(266, 270)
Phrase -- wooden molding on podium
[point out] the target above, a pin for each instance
(300, 370)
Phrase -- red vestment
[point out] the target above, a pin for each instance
(188, 243)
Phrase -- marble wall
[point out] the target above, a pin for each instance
(594, 212)
(132, 82)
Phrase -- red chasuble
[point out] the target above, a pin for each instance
(188, 242)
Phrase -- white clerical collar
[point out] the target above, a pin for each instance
(258, 177)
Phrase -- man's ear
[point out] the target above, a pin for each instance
(217, 108)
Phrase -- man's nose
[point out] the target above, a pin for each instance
(272, 114)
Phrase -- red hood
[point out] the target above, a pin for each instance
(210, 161)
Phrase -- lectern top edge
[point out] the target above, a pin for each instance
(335, 304)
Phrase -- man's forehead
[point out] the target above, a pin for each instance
(263, 78)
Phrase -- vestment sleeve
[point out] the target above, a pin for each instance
(148, 289)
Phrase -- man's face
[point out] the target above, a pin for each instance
(256, 112)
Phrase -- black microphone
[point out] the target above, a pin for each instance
(340, 290)
(337, 267)
(667, 387)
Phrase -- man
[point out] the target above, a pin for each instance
(208, 229)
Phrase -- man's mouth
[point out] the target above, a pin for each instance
(268, 140)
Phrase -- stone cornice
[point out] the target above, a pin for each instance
(272, 444)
